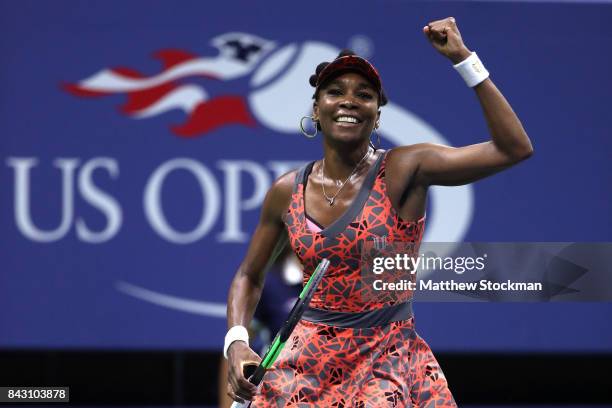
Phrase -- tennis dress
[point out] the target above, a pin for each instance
(351, 349)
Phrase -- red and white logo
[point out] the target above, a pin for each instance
(255, 82)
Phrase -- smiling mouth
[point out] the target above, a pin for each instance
(348, 120)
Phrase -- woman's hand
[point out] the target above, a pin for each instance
(427, 164)
(445, 37)
(239, 355)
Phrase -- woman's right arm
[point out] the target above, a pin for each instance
(247, 285)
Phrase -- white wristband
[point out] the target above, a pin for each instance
(471, 70)
(236, 333)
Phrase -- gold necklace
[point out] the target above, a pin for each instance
(331, 199)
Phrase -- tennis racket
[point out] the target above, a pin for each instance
(255, 373)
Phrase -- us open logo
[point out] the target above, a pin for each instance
(278, 95)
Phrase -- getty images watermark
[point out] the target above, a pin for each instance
(457, 264)
(509, 272)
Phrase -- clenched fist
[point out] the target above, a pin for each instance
(445, 37)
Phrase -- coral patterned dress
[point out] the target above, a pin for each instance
(352, 350)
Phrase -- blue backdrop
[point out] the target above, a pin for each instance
(138, 139)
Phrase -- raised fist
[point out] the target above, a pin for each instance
(445, 37)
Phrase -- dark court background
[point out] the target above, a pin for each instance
(138, 140)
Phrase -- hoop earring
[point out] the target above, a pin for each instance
(377, 139)
(304, 132)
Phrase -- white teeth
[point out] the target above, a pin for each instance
(346, 119)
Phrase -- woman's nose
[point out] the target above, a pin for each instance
(348, 102)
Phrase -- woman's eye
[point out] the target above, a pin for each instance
(334, 91)
(365, 95)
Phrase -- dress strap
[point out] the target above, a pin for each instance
(301, 175)
(356, 206)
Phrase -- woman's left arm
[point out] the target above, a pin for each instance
(509, 144)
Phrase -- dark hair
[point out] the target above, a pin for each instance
(314, 78)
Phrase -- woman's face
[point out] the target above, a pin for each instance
(347, 108)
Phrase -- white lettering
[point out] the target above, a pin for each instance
(234, 202)
(377, 267)
(100, 200)
(21, 200)
(154, 211)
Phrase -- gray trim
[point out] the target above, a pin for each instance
(299, 177)
(360, 320)
(356, 206)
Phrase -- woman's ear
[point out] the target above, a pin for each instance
(315, 111)
(377, 125)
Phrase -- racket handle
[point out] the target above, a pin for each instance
(248, 371)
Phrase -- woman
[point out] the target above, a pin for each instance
(348, 351)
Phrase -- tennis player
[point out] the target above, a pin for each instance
(349, 350)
